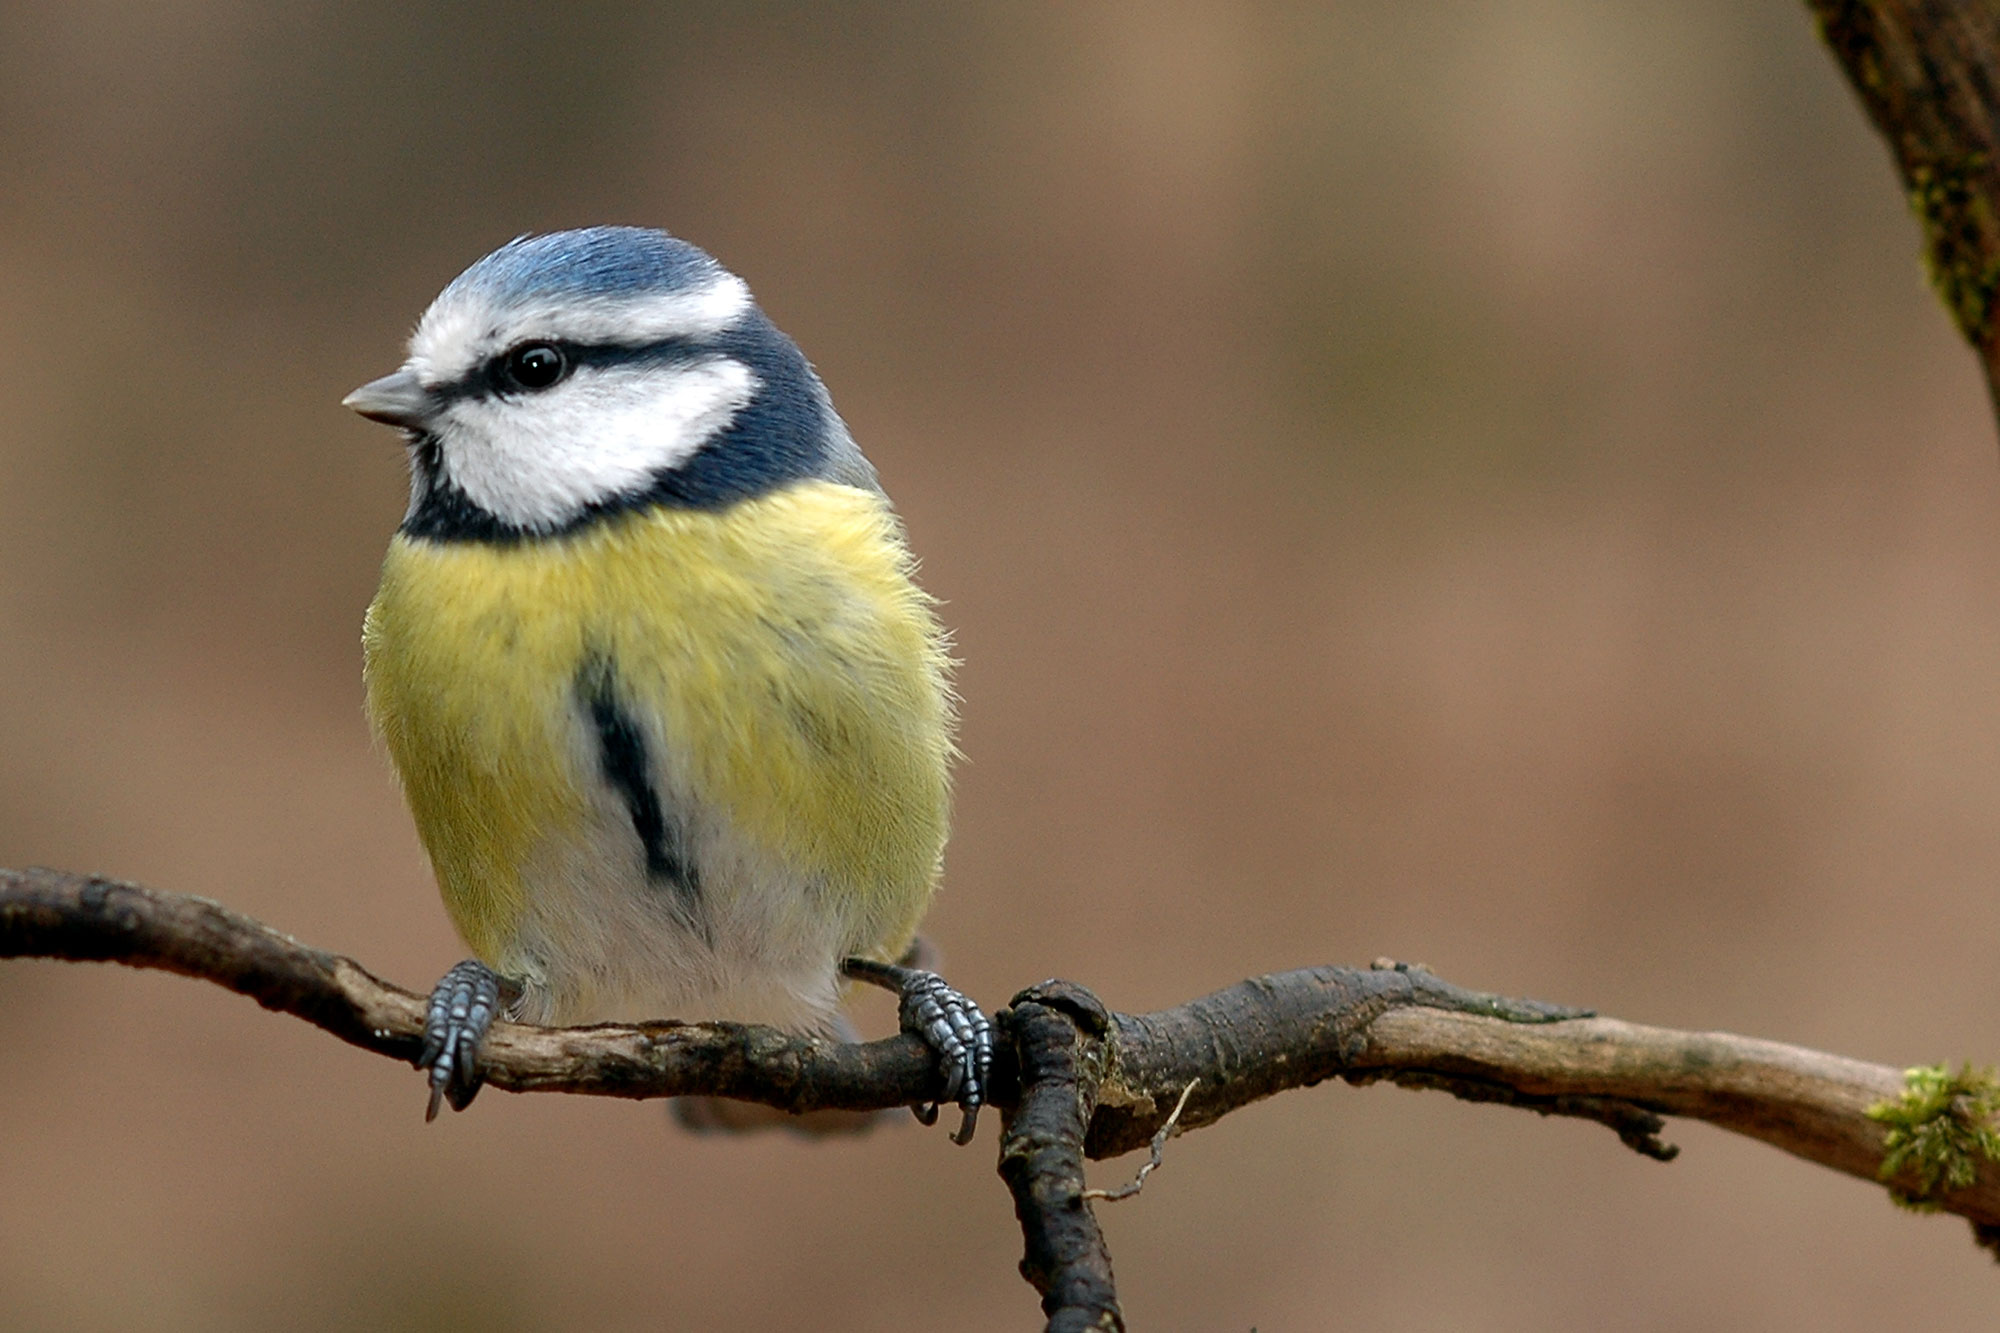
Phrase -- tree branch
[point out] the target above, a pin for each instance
(1074, 1079)
(1058, 1035)
(1928, 74)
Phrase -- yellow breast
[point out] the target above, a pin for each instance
(779, 648)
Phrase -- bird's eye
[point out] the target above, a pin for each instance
(534, 366)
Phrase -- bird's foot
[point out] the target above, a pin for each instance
(463, 1006)
(950, 1024)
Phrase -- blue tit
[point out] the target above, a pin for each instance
(668, 707)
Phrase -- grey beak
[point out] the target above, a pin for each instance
(393, 400)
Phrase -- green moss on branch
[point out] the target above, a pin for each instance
(1940, 1129)
(1949, 199)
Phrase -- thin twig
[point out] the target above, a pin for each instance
(1188, 1066)
(1154, 1153)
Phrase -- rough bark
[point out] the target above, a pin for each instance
(1074, 1080)
(1928, 74)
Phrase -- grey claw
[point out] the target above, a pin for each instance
(463, 1006)
(949, 1023)
(968, 1122)
(959, 1032)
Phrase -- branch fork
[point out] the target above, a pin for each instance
(1075, 1080)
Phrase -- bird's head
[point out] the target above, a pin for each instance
(582, 373)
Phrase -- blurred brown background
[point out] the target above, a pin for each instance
(1483, 483)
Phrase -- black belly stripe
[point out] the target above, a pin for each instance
(621, 758)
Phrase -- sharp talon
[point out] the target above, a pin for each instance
(950, 1025)
(926, 1113)
(462, 1007)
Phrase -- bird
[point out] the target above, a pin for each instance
(672, 716)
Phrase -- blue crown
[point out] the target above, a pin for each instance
(594, 261)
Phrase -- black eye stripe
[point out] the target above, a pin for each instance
(672, 351)
(489, 378)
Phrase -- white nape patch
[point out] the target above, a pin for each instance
(537, 460)
(462, 329)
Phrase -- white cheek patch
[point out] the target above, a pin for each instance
(538, 460)
(460, 330)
